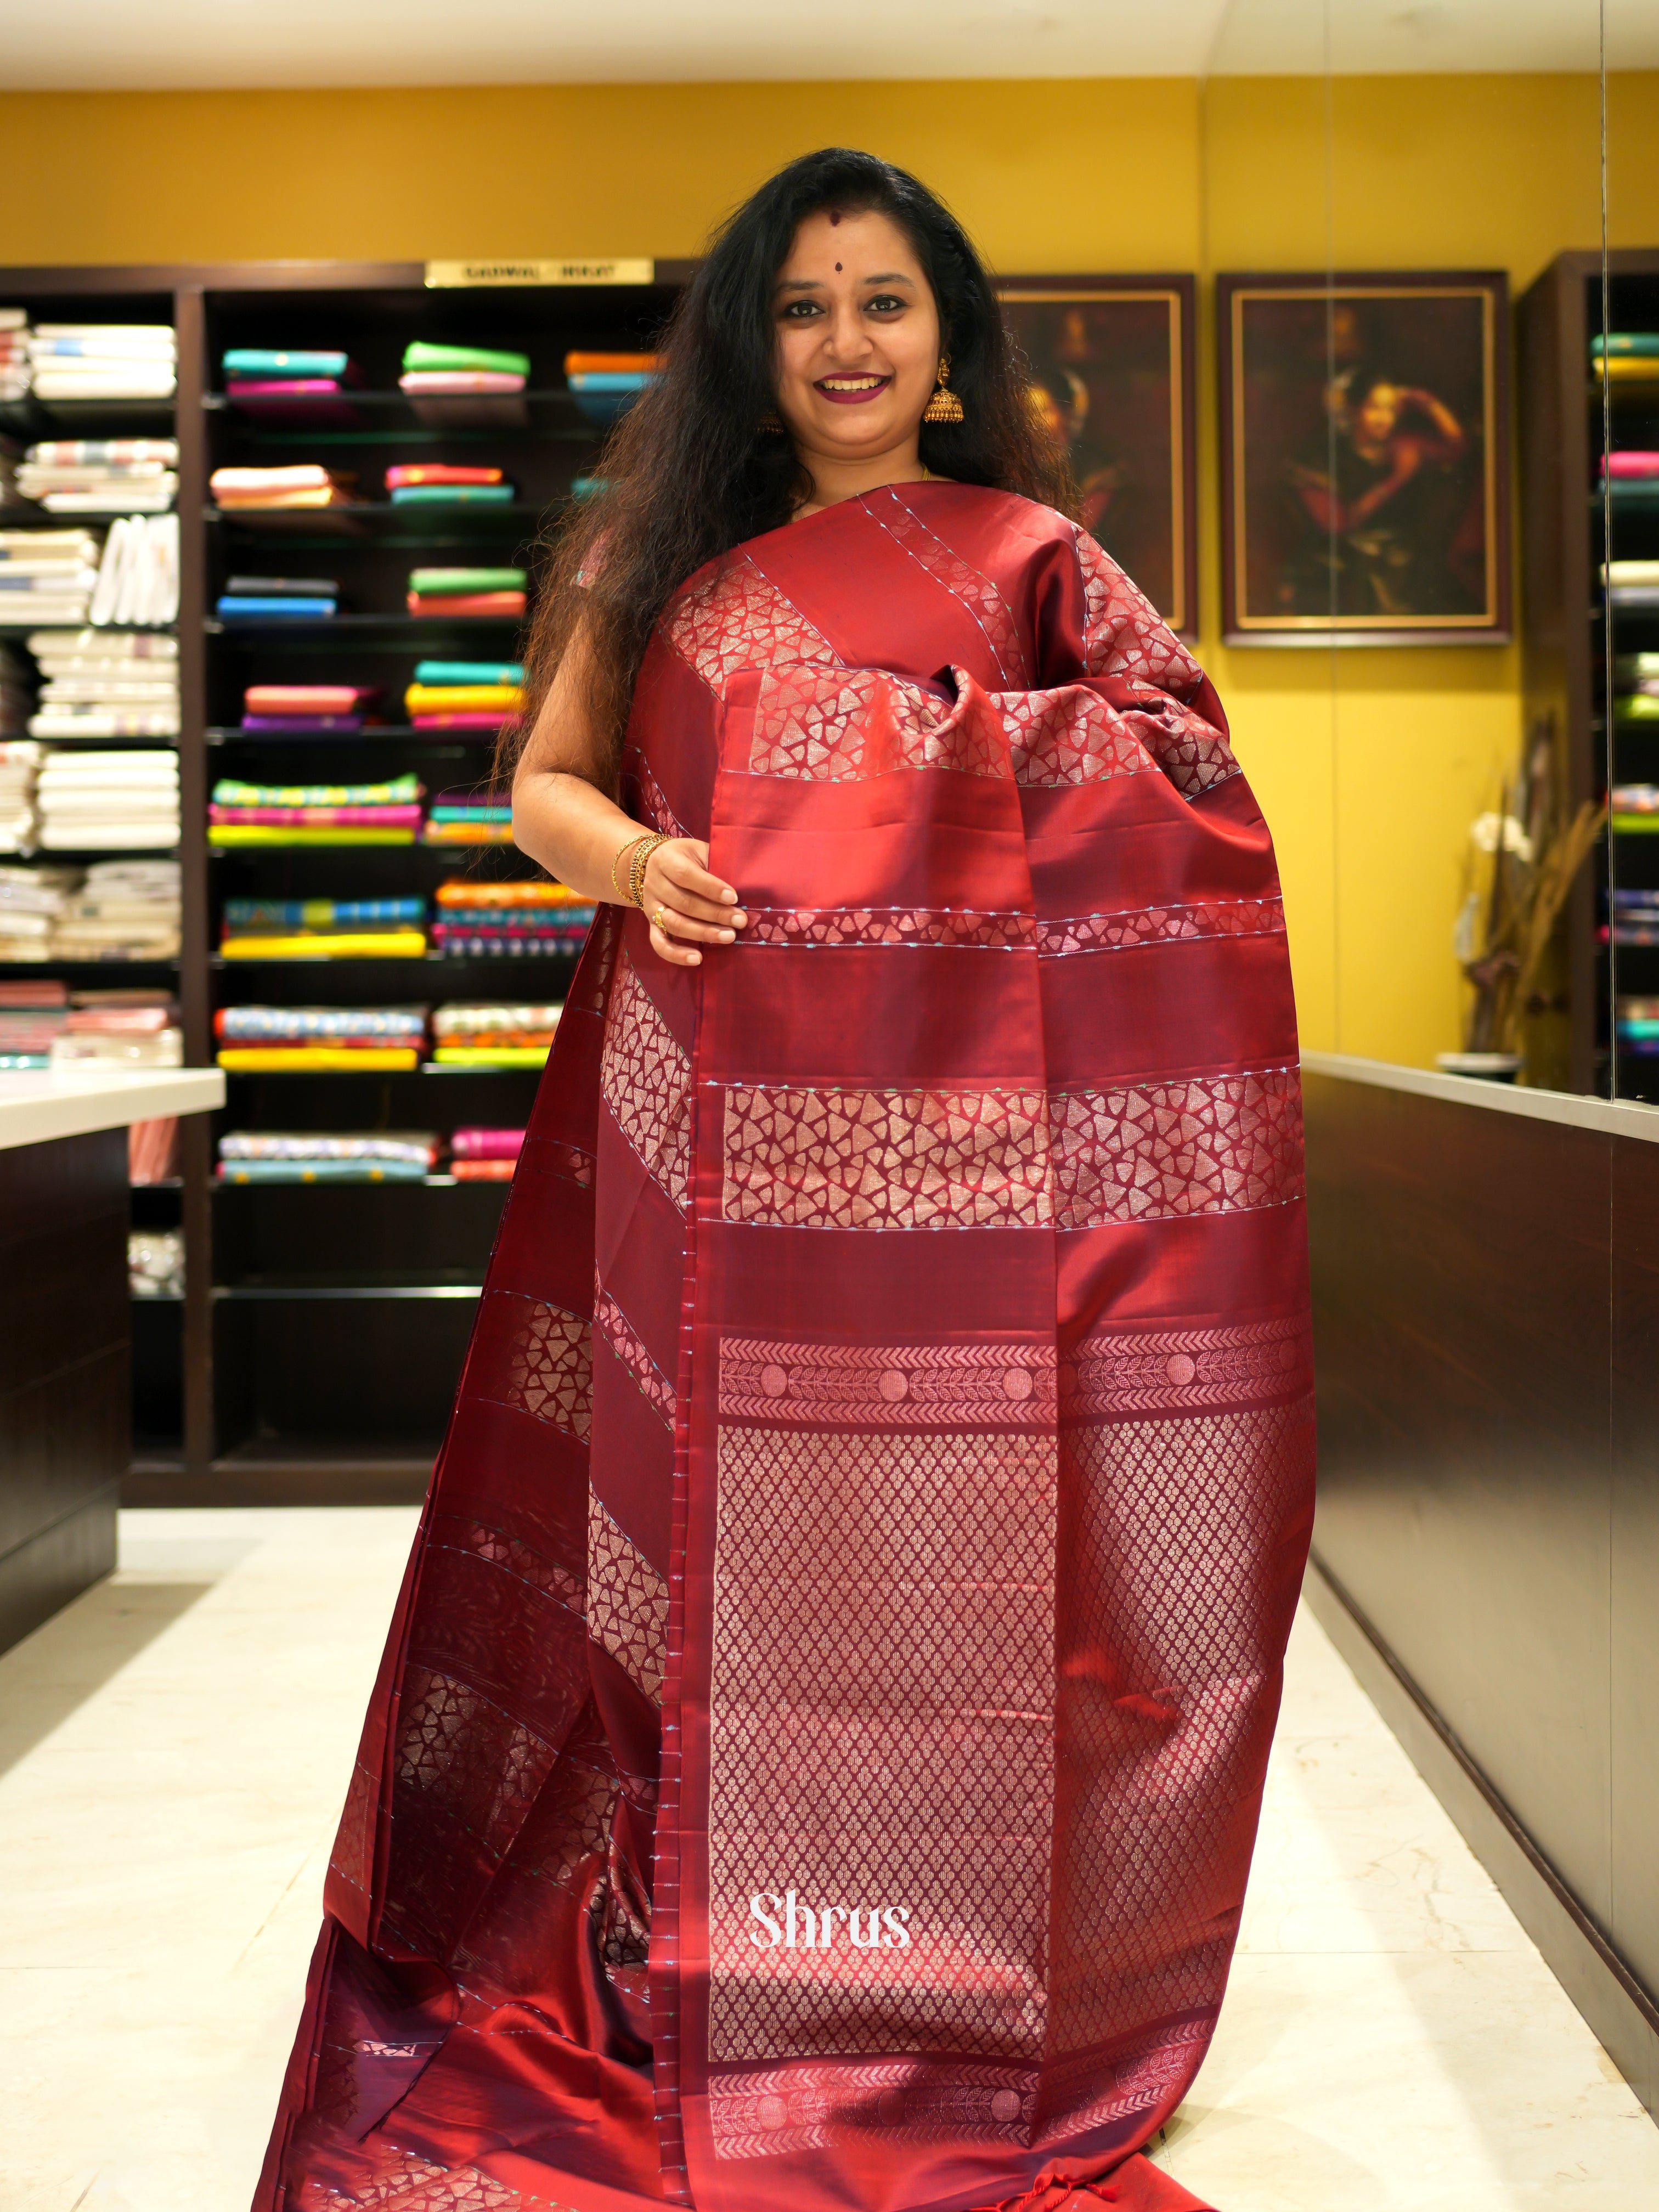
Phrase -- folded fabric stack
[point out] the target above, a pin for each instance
(105, 1035)
(587, 487)
(122, 910)
(105, 683)
(467, 591)
(315, 813)
(138, 576)
(14, 353)
(1635, 682)
(517, 920)
(317, 709)
(279, 1040)
(465, 694)
(436, 483)
(1631, 466)
(31, 901)
(47, 576)
(461, 817)
(1634, 806)
(389, 1156)
(1631, 583)
(278, 598)
(307, 483)
(493, 1035)
(1627, 357)
(156, 1263)
(485, 1155)
(257, 373)
(16, 691)
(102, 476)
(108, 801)
(442, 370)
(324, 929)
(31, 1016)
(606, 385)
(1635, 917)
(153, 1149)
(19, 768)
(104, 361)
(1637, 1021)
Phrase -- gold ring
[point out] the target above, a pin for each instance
(657, 921)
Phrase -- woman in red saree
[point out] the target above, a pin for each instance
(819, 1750)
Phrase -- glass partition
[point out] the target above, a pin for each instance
(1401, 247)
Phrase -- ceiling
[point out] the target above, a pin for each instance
(114, 44)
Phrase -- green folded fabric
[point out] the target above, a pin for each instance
(418, 355)
(469, 672)
(453, 496)
(434, 580)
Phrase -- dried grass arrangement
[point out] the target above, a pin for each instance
(1521, 860)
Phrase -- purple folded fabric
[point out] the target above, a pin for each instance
(303, 722)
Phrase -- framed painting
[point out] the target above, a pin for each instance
(1365, 444)
(1111, 364)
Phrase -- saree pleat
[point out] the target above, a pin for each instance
(820, 1743)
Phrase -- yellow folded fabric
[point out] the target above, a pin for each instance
(490, 1055)
(462, 698)
(271, 1060)
(259, 833)
(320, 945)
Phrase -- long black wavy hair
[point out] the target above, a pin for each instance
(689, 472)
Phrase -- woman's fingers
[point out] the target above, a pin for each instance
(684, 864)
(665, 948)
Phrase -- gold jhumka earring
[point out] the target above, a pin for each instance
(770, 423)
(943, 406)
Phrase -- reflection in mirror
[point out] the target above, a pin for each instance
(1386, 190)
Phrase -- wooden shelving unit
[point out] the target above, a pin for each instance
(322, 1327)
(1565, 614)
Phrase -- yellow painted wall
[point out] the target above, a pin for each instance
(1369, 765)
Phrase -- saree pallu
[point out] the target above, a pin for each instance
(818, 1751)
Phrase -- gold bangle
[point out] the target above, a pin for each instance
(616, 863)
(637, 866)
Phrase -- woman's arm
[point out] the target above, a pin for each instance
(563, 819)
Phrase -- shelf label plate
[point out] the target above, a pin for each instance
(447, 275)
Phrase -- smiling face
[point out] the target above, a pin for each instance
(858, 338)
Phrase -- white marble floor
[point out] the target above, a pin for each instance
(173, 1749)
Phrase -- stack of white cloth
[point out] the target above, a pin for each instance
(138, 578)
(19, 765)
(31, 901)
(104, 361)
(47, 576)
(105, 683)
(123, 910)
(113, 802)
(16, 692)
(14, 353)
(102, 476)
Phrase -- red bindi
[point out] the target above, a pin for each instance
(835, 214)
(838, 268)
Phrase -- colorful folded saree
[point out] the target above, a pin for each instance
(819, 1750)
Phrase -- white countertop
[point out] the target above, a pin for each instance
(37, 1106)
(1611, 1117)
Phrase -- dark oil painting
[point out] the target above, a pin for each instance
(1362, 437)
(1108, 364)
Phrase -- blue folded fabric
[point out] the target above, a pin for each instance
(469, 672)
(266, 361)
(240, 610)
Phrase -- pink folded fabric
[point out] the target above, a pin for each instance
(322, 817)
(462, 721)
(1632, 465)
(487, 1144)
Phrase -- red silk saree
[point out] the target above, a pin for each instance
(819, 1750)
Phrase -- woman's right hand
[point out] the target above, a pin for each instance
(685, 904)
